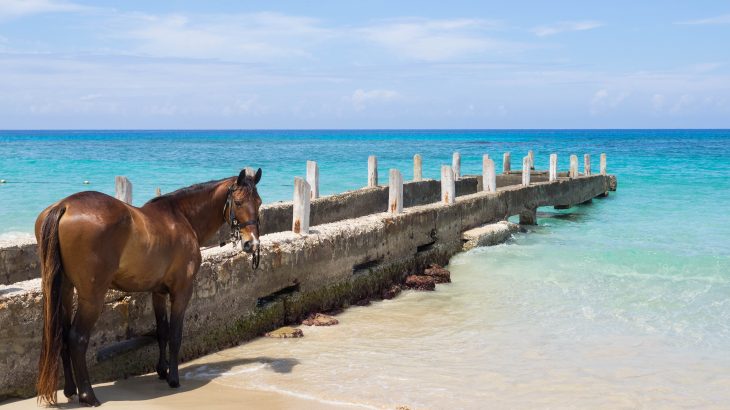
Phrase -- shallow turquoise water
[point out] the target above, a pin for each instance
(630, 294)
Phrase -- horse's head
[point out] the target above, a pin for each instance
(242, 212)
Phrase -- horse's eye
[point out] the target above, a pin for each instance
(238, 203)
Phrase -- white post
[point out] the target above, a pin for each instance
(603, 164)
(489, 176)
(587, 164)
(573, 166)
(302, 195)
(506, 166)
(531, 155)
(372, 171)
(313, 178)
(456, 165)
(123, 188)
(417, 168)
(395, 192)
(158, 191)
(526, 170)
(553, 167)
(448, 189)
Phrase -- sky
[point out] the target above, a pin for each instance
(334, 64)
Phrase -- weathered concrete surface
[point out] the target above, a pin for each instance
(488, 235)
(335, 265)
(20, 263)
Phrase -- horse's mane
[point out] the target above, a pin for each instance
(189, 190)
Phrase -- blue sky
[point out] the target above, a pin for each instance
(374, 64)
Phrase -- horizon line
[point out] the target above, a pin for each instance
(361, 129)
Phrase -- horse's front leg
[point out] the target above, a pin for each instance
(179, 302)
(159, 301)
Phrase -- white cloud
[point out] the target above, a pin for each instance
(723, 19)
(251, 37)
(90, 97)
(706, 67)
(604, 101)
(19, 8)
(683, 103)
(435, 40)
(361, 98)
(543, 31)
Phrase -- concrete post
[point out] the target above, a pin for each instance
(123, 189)
(456, 165)
(526, 171)
(313, 178)
(587, 164)
(531, 154)
(573, 173)
(395, 192)
(506, 166)
(302, 195)
(489, 175)
(448, 188)
(158, 191)
(372, 171)
(417, 168)
(553, 167)
(603, 164)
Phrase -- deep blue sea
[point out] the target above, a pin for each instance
(623, 303)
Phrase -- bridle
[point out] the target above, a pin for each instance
(236, 226)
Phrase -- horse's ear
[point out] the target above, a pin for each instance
(257, 178)
(241, 177)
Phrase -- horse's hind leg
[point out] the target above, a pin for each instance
(179, 303)
(159, 301)
(87, 313)
(67, 300)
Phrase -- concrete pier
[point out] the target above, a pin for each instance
(355, 249)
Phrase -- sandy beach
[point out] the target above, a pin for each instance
(147, 392)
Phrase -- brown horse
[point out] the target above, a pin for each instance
(92, 242)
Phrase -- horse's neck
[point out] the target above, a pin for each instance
(204, 210)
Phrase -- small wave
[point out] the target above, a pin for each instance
(206, 373)
(274, 389)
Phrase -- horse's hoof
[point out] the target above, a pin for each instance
(162, 373)
(174, 383)
(69, 392)
(89, 400)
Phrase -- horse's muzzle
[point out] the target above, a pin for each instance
(254, 248)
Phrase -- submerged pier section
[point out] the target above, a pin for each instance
(318, 253)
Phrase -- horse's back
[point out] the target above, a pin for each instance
(92, 233)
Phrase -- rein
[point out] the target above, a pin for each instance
(236, 227)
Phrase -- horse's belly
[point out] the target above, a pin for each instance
(138, 281)
(139, 272)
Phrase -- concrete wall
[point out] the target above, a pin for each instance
(20, 262)
(353, 204)
(229, 303)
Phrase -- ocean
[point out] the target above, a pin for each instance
(624, 302)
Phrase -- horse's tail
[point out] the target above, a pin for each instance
(52, 276)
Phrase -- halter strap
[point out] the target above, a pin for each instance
(237, 226)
